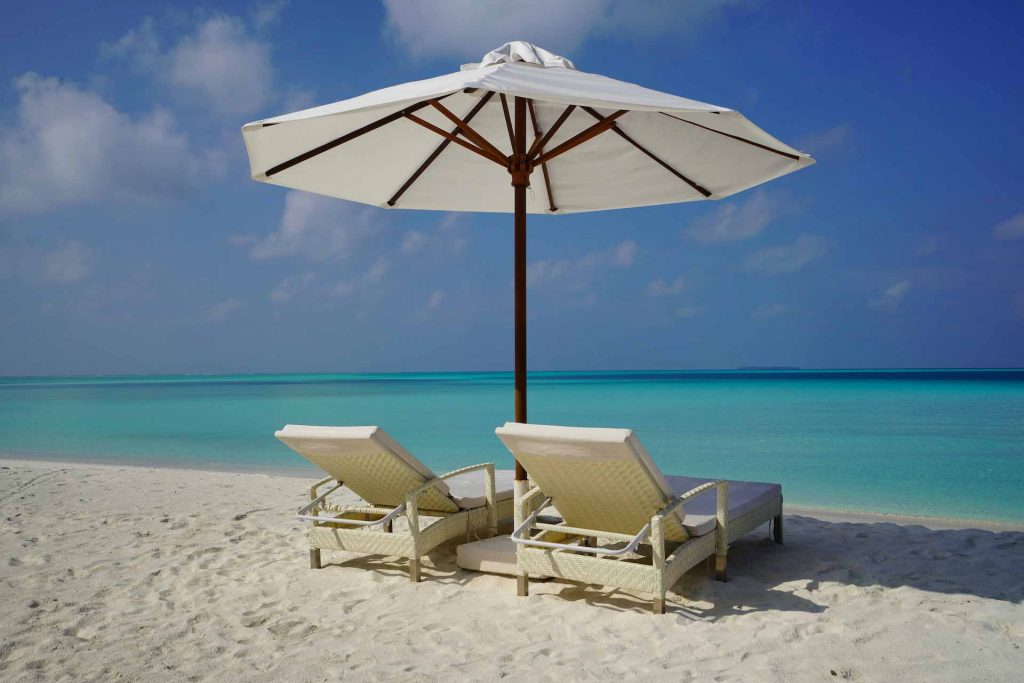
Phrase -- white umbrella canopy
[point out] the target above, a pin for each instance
(659, 149)
(454, 142)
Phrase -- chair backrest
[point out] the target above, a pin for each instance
(369, 462)
(601, 479)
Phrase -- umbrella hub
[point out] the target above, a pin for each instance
(520, 167)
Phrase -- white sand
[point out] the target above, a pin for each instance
(158, 574)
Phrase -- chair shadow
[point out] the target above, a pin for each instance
(985, 564)
(764, 575)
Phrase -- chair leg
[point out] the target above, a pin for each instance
(523, 585)
(659, 605)
(720, 567)
(778, 528)
(314, 558)
(414, 569)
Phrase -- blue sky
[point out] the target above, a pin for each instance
(133, 241)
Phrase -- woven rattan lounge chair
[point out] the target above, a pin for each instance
(407, 510)
(623, 523)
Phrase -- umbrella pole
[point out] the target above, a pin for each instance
(520, 181)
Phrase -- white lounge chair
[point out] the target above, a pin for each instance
(616, 505)
(396, 487)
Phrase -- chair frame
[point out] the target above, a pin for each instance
(573, 553)
(350, 527)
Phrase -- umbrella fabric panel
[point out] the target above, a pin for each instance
(604, 172)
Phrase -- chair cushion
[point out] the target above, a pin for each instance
(700, 511)
(468, 489)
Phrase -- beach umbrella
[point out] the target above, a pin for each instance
(520, 116)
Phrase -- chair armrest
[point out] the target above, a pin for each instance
(721, 484)
(527, 504)
(314, 487)
(427, 485)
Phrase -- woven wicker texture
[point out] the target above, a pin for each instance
(608, 495)
(381, 478)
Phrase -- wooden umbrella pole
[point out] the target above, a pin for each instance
(519, 168)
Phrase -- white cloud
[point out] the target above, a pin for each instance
(433, 306)
(287, 288)
(314, 228)
(449, 237)
(371, 279)
(72, 261)
(737, 220)
(466, 29)
(220, 65)
(687, 312)
(224, 66)
(70, 147)
(787, 258)
(268, 12)
(662, 287)
(577, 272)
(375, 275)
(892, 296)
(1010, 229)
(414, 241)
(297, 99)
(771, 311)
(223, 310)
(823, 141)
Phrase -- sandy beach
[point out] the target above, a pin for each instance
(130, 573)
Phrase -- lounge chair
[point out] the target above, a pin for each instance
(622, 523)
(407, 511)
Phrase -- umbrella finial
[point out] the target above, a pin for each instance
(524, 53)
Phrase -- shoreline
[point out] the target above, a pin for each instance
(839, 515)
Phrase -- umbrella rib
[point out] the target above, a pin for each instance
(437, 152)
(736, 137)
(480, 140)
(457, 140)
(543, 167)
(580, 138)
(539, 143)
(508, 122)
(327, 146)
(621, 133)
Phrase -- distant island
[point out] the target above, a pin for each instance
(769, 367)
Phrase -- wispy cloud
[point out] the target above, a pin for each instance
(221, 311)
(433, 305)
(1010, 229)
(449, 238)
(662, 287)
(892, 296)
(768, 311)
(930, 245)
(687, 312)
(288, 288)
(577, 272)
(825, 140)
(787, 258)
(738, 219)
(72, 261)
(462, 28)
(314, 228)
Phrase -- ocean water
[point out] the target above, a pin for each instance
(946, 443)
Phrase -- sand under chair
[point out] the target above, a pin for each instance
(396, 487)
(623, 523)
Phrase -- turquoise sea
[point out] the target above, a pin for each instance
(945, 443)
